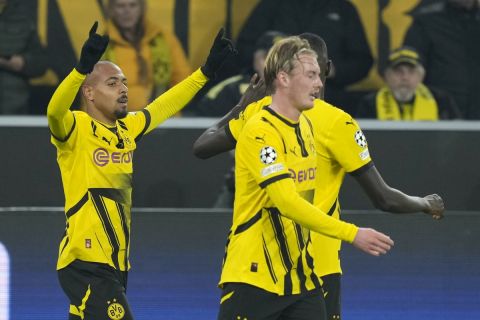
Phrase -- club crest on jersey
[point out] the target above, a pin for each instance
(115, 310)
(268, 155)
(360, 139)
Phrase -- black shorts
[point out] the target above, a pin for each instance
(243, 301)
(331, 294)
(96, 291)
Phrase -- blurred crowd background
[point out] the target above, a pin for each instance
(391, 59)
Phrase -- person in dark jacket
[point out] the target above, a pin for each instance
(21, 56)
(220, 99)
(404, 96)
(336, 21)
(448, 40)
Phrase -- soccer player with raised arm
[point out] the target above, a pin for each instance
(95, 154)
(268, 268)
(341, 148)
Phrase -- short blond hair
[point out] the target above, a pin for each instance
(282, 57)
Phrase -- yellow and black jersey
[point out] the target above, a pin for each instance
(264, 248)
(95, 161)
(96, 166)
(341, 147)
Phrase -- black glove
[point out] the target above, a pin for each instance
(221, 49)
(92, 50)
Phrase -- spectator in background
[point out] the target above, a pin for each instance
(336, 21)
(405, 97)
(21, 56)
(220, 99)
(152, 59)
(448, 40)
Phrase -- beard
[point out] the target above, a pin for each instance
(120, 114)
(403, 94)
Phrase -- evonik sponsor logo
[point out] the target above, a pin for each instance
(102, 157)
(303, 175)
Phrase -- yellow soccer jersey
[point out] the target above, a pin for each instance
(96, 166)
(235, 126)
(95, 161)
(341, 147)
(264, 248)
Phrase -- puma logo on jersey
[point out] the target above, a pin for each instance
(107, 141)
(294, 150)
(260, 139)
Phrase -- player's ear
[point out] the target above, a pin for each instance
(282, 79)
(87, 92)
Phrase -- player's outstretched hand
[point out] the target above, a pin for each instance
(256, 90)
(372, 241)
(92, 50)
(436, 206)
(221, 49)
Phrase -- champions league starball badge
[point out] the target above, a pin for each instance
(360, 139)
(268, 155)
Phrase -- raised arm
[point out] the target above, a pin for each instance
(392, 200)
(60, 118)
(215, 139)
(177, 97)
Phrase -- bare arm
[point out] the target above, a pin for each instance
(392, 200)
(215, 139)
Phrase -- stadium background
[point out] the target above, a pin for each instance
(432, 273)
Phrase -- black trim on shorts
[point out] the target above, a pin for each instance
(274, 179)
(332, 287)
(362, 169)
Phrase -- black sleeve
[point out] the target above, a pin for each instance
(355, 59)
(260, 20)
(34, 55)
(417, 37)
(217, 104)
(367, 107)
(447, 107)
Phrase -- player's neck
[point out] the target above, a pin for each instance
(283, 106)
(100, 117)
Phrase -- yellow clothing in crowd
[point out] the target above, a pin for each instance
(158, 63)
